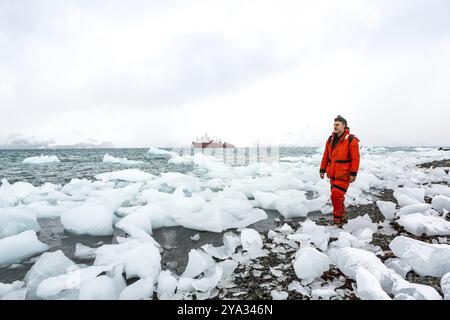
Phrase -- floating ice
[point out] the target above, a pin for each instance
(83, 252)
(90, 219)
(419, 224)
(20, 247)
(387, 208)
(310, 264)
(110, 159)
(16, 220)
(160, 152)
(49, 264)
(130, 175)
(424, 258)
(252, 243)
(41, 159)
(368, 287)
(7, 196)
(441, 202)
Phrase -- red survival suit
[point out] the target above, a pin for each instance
(340, 160)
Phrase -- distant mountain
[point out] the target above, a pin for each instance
(17, 141)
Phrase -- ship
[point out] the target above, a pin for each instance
(206, 142)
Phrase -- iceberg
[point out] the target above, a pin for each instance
(129, 175)
(110, 159)
(41, 159)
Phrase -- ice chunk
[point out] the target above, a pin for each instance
(20, 247)
(7, 196)
(279, 295)
(198, 262)
(424, 258)
(16, 220)
(291, 204)
(387, 208)
(324, 294)
(139, 290)
(310, 264)
(139, 219)
(286, 229)
(358, 225)
(441, 202)
(89, 218)
(143, 261)
(368, 287)
(18, 294)
(195, 237)
(407, 196)
(23, 189)
(50, 264)
(349, 260)
(419, 224)
(41, 159)
(167, 284)
(72, 280)
(230, 242)
(8, 288)
(319, 235)
(210, 279)
(160, 152)
(130, 175)
(252, 243)
(265, 200)
(346, 239)
(100, 288)
(445, 286)
(228, 267)
(110, 159)
(83, 252)
(417, 291)
(399, 266)
(414, 208)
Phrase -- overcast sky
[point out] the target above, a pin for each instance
(160, 73)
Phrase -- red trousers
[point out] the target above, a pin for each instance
(337, 200)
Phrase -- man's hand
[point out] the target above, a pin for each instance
(352, 179)
(322, 175)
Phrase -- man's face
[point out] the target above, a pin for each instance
(339, 127)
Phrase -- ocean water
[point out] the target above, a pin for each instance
(86, 163)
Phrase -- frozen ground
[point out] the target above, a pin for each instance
(190, 234)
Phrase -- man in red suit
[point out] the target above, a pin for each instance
(340, 162)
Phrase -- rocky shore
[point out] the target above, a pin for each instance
(273, 275)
